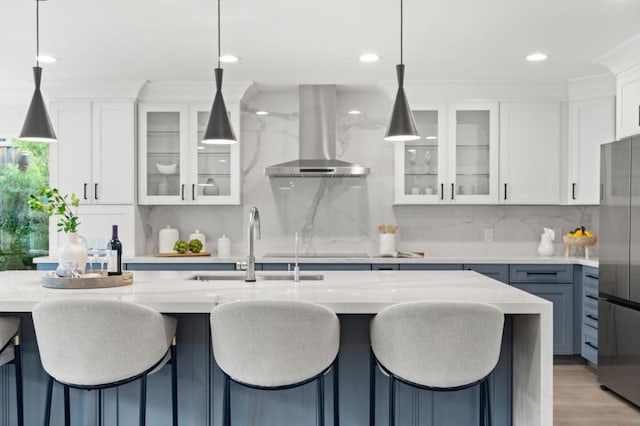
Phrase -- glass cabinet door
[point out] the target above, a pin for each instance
(420, 163)
(161, 154)
(473, 157)
(213, 164)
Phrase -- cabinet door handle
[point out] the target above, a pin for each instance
(182, 191)
(591, 296)
(453, 188)
(601, 191)
(591, 345)
(85, 191)
(95, 191)
(193, 191)
(573, 190)
(505, 191)
(442, 191)
(591, 317)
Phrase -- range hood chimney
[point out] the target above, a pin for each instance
(317, 146)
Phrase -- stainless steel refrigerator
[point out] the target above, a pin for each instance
(619, 252)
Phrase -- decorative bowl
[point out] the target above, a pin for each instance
(167, 169)
(579, 241)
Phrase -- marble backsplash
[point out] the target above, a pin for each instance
(342, 215)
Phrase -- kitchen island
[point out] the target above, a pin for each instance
(525, 369)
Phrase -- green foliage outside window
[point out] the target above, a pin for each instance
(24, 233)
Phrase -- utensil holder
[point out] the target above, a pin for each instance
(387, 245)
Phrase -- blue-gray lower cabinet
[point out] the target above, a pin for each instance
(589, 322)
(561, 295)
(496, 271)
(180, 266)
(317, 266)
(430, 267)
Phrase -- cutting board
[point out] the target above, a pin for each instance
(202, 253)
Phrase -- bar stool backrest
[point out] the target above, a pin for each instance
(91, 342)
(8, 328)
(274, 343)
(438, 344)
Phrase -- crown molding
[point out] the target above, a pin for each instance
(621, 57)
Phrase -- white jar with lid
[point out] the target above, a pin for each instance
(199, 236)
(224, 246)
(167, 239)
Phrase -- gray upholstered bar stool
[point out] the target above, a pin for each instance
(98, 344)
(10, 354)
(437, 346)
(274, 345)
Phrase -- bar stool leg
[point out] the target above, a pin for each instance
(226, 413)
(487, 398)
(392, 401)
(174, 383)
(67, 407)
(336, 395)
(99, 407)
(17, 360)
(143, 400)
(47, 410)
(321, 400)
(372, 389)
(483, 414)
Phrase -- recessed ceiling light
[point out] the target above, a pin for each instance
(537, 57)
(262, 113)
(369, 57)
(354, 112)
(47, 59)
(229, 59)
(430, 138)
(201, 147)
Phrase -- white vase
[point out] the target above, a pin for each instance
(74, 253)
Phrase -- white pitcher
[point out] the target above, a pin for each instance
(74, 252)
(546, 243)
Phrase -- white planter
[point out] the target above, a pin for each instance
(74, 253)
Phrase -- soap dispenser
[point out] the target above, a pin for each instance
(546, 243)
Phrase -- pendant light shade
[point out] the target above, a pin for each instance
(37, 126)
(402, 126)
(219, 130)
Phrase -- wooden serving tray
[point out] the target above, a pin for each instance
(202, 253)
(51, 280)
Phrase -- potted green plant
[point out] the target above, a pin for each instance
(73, 255)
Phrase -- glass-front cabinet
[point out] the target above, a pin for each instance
(456, 158)
(174, 167)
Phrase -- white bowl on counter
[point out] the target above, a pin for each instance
(167, 169)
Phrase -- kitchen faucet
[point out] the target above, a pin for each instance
(254, 226)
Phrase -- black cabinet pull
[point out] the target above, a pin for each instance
(542, 273)
(591, 317)
(573, 190)
(193, 191)
(385, 269)
(591, 296)
(85, 191)
(453, 188)
(182, 191)
(591, 345)
(595, 277)
(601, 191)
(505, 191)
(442, 191)
(95, 191)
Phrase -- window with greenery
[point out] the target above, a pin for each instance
(24, 234)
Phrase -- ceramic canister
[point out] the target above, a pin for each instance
(167, 239)
(224, 246)
(199, 236)
(387, 244)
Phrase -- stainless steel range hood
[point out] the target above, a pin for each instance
(317, 146)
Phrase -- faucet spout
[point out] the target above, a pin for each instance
(254, 234)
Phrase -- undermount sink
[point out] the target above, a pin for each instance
(240, 277)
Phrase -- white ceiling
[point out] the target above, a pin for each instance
(285, 42)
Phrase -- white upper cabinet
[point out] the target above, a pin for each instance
(530, 153)
(174, 167)
(456, 158)
(628, 103)
(93, 157)
(591, 123)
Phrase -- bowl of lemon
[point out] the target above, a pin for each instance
(579, 237)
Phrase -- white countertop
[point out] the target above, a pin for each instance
(351, 292)
(378, 260)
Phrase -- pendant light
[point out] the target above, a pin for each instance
(37, 126)
(402, 126)
(219, 130)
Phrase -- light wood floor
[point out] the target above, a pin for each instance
(578, 400)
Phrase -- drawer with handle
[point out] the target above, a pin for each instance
(589, 349)
(540, 274)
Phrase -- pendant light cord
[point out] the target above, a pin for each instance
(37, 32)
(401, 28)
(218, 33)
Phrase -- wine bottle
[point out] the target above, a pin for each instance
(114, 266)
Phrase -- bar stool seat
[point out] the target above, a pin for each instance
(438, 346)
(10, 354)
(99, 344)
(273, 345)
